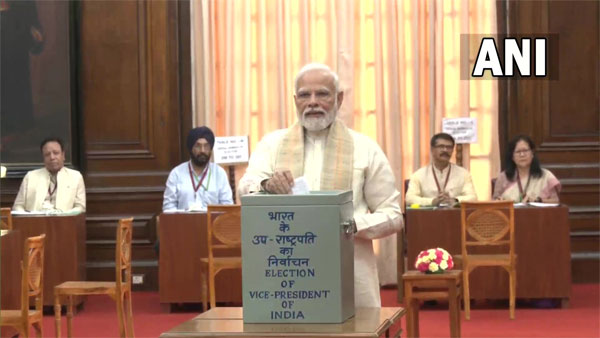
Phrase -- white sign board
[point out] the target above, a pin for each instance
(463, 129)
(231, 149)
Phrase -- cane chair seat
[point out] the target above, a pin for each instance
(10, 316)
(488, 260)
(79, 288)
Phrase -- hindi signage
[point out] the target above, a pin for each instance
(297, 258)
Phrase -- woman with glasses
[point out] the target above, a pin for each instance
(524, 180)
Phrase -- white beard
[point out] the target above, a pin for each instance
(318, 123)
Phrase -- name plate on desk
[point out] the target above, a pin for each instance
(298, 257)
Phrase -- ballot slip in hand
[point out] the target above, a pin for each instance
(300, 186)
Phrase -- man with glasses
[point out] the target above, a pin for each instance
(196, 183)
(440, 183)
(54, 188)
(330, 156)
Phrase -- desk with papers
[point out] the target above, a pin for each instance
(542, 243)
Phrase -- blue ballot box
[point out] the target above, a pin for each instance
(298, 257)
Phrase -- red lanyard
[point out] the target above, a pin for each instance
(521, 191)
(196, 187)
(51, 192)
(436, 180)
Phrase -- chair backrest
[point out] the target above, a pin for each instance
(5, 219)
(487, 224)
(123, 254)
(224, 227)
(493, 182)
(32, 279)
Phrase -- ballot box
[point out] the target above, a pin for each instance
(298, 257)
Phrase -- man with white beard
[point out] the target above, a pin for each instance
(331, 157)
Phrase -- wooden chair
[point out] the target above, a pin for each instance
(6, 219)
(490, 226)
(119, 290)
(32, 287)
(421, 286)
(223, 232)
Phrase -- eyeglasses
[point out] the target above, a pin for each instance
(523, 152)
(443, 147)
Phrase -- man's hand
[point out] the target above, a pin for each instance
(529, 198)
(452, 201)
(281, 182)
(440, 198)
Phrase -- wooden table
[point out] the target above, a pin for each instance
(182, 244)
(422, 286)
(64, 253)
(228, 322)
(11, 254)
(542, 244)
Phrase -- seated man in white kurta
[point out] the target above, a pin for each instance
(54, 187)
(331, 157)
(440, 183)
(196, 183)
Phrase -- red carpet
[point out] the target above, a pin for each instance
(581, 319)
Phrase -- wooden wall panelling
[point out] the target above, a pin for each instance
(563, 114)
(133, 99)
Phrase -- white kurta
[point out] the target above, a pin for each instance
(422, 188)
(70, 192)
(376, 201)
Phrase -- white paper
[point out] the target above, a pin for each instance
(198, 206)
(543, 205)
(231, 149)
(182, 211)
(173, 211)
(45, 213)
(463, 129)
(300, 186)
(28, 213)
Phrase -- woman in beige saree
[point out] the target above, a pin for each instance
(524, 180)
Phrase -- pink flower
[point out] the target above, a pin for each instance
(434, 260)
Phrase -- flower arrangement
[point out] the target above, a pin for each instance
(435, 260)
